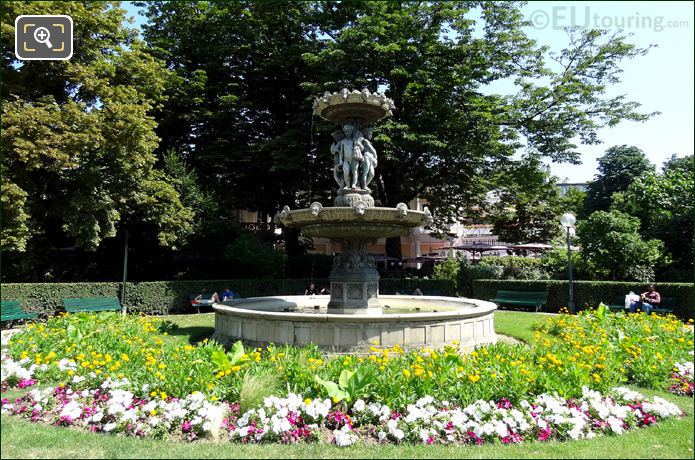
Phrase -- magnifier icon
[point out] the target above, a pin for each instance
(42, 35)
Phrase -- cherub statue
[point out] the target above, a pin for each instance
(350, 156)
(338, 136)
(370, 159)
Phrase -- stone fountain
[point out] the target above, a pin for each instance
(355, 316)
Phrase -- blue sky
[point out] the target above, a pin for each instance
(660, 81)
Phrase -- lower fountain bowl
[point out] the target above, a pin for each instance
(412, 322)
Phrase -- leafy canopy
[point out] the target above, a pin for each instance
(79, 136)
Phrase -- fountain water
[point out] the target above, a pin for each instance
(352, 317)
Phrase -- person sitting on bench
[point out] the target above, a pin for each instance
(647, 300)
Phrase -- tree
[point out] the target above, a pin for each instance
(612, 246)
(448, 132)
(78, 137)
(664, 204)
(246, 100)
(573, 201)
(618, 168)
(529, 207)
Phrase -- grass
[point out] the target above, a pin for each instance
(668, 439)
(23, 439)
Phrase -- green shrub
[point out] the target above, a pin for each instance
(523, 268)
(587, 294)
(447, 270)
(161, 297)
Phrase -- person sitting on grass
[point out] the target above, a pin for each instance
(647, 300)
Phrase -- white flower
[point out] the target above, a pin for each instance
(661, 407)
(109, 426)
(616, 425)
(359, 406)
(72, 410)
(279, 424)
(398, 434)
(344, 437)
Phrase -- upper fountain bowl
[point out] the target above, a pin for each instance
(354, 222)
(345, 106)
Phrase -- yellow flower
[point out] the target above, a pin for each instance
(163, 395)
(307, 401)
(473, 378)
(153, 412)
(153, 393)
(406, 372)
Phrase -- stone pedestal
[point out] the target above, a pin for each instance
(354, 293)
(351, 196)
(354, 279)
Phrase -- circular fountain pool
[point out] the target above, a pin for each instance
(408, 321)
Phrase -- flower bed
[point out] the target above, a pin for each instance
(293, 419)
(388, 395)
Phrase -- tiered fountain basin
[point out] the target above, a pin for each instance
(413, 322)
(342, 222)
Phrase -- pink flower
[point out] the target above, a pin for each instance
(648, 419)
(504, 404)
(26, 383)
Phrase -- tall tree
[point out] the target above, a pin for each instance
(449, 133)
(244, 103)
(665, 205)
(528, 209)
(612, 246)
(78, 136)
(617, 169)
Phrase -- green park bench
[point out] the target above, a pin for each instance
(521, 298)
(666, 306)
(12, 310)
(92, 304)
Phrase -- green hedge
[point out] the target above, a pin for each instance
(588, 294)
(161, 297)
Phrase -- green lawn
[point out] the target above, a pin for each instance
(22, 439)
(517, 324)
